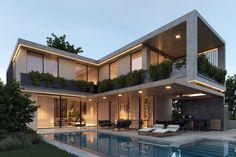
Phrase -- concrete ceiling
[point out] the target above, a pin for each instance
(176, 92)
(176, 48)
(168, 43)
(206, 38)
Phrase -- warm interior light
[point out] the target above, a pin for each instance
(168, 87)
(104, 97)
(140, 92)
(194, 95)
(90, 99)
(119, 94)
(206, 85)
(177, 36)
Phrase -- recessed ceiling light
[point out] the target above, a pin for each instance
(168, 87)
(104, 97)
(140, 92)
(177, 36)
(119, 94)
(90, 99)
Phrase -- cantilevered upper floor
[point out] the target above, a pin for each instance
(181, 42)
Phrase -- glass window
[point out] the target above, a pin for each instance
(161, 59)
(113, 70)
(34, 62)
(92, 74)
(136, 61)
(153, 57)
(50, 65)
(81, 72)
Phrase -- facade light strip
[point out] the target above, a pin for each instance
(206, 85)
(50, 52)
(52, 93)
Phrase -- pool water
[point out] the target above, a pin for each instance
(119, 146)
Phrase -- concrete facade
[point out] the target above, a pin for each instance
(164, 41)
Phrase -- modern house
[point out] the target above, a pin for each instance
(120, 89)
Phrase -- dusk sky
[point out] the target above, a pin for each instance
(102, 26)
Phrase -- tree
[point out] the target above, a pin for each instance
(230, 98)
(61, 43)
(16, 109)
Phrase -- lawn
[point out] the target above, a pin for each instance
(38, 150)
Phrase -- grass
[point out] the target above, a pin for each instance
(38, 150)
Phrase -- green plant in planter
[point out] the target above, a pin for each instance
(119, 82)
(160, 71)
(206, 68)
(104, 85)
(180, 64)
(134, 77)
(92, 87)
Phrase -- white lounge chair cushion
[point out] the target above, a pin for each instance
(162, 131)
(146, 129)
(173, 128)
(161, 126)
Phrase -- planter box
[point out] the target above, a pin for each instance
(26, 80)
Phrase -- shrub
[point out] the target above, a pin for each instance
(131, 79)
(119, 82)
(160, 71)
(103, 86)
(49, 79)
(206, 68)
(20, 139)
(134, 78)
(16, 109)
(3, 133)
(9, 143)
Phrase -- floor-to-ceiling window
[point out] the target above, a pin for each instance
(81, 72)
(147, 111)
(113, 70)
(93, 74)
(47, 117)
(51, 65)
(136, 61)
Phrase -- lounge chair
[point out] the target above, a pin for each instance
(148, 130)
(169, 131)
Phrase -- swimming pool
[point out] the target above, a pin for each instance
(104, 144)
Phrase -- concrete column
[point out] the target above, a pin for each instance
(221, 57)
(162, 109)
(191, 47)
(145, 58)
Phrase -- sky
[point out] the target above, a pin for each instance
(102, 26)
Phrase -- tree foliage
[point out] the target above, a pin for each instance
(230, 98)
(61, 43)
(16, 109)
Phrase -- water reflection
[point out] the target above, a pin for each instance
(116, 146)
